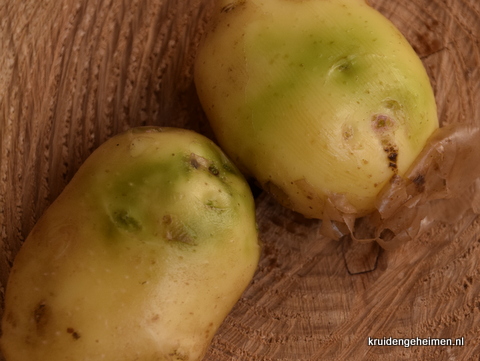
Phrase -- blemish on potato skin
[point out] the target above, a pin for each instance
(177, 232)
(384, 126)
(232, 6)
(10, 319)
(74, 333)
(209, 330)
(178, 356)
(167, 219)
(392, 155)
(213, 170)
(382, 123)
(347, 132)
(196, 161)
(122, 219)
(41, 316)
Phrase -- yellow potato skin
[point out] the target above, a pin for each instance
(315, 99)
(141, 257)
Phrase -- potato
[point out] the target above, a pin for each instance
(141, 257)
(321, 101)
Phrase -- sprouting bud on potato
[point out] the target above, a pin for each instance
(318, 100)
(141, 257)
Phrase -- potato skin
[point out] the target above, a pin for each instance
(316, 99)
(141, 257)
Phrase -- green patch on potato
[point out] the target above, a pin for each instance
(316, 99)
(141, 257)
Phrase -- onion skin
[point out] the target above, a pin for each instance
(317, 100)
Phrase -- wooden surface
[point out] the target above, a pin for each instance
(74, 72)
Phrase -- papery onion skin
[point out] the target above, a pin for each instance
(314, 99)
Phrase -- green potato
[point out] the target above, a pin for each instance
(141, 257)
(321, 101)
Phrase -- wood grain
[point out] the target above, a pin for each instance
(75, 72)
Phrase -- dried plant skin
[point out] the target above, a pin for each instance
(323, 102)
(441, 185)
(142, 256)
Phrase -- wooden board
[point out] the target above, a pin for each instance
(75, 72)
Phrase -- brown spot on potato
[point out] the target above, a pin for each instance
(41, 316)
(392, 104)
(384, 126)
(197, 161)
(9, 318)
(177, 355)
(74, 333)
(213, 170)
(392, 156)
(209, 331)
(347, 132)
(382, 123)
